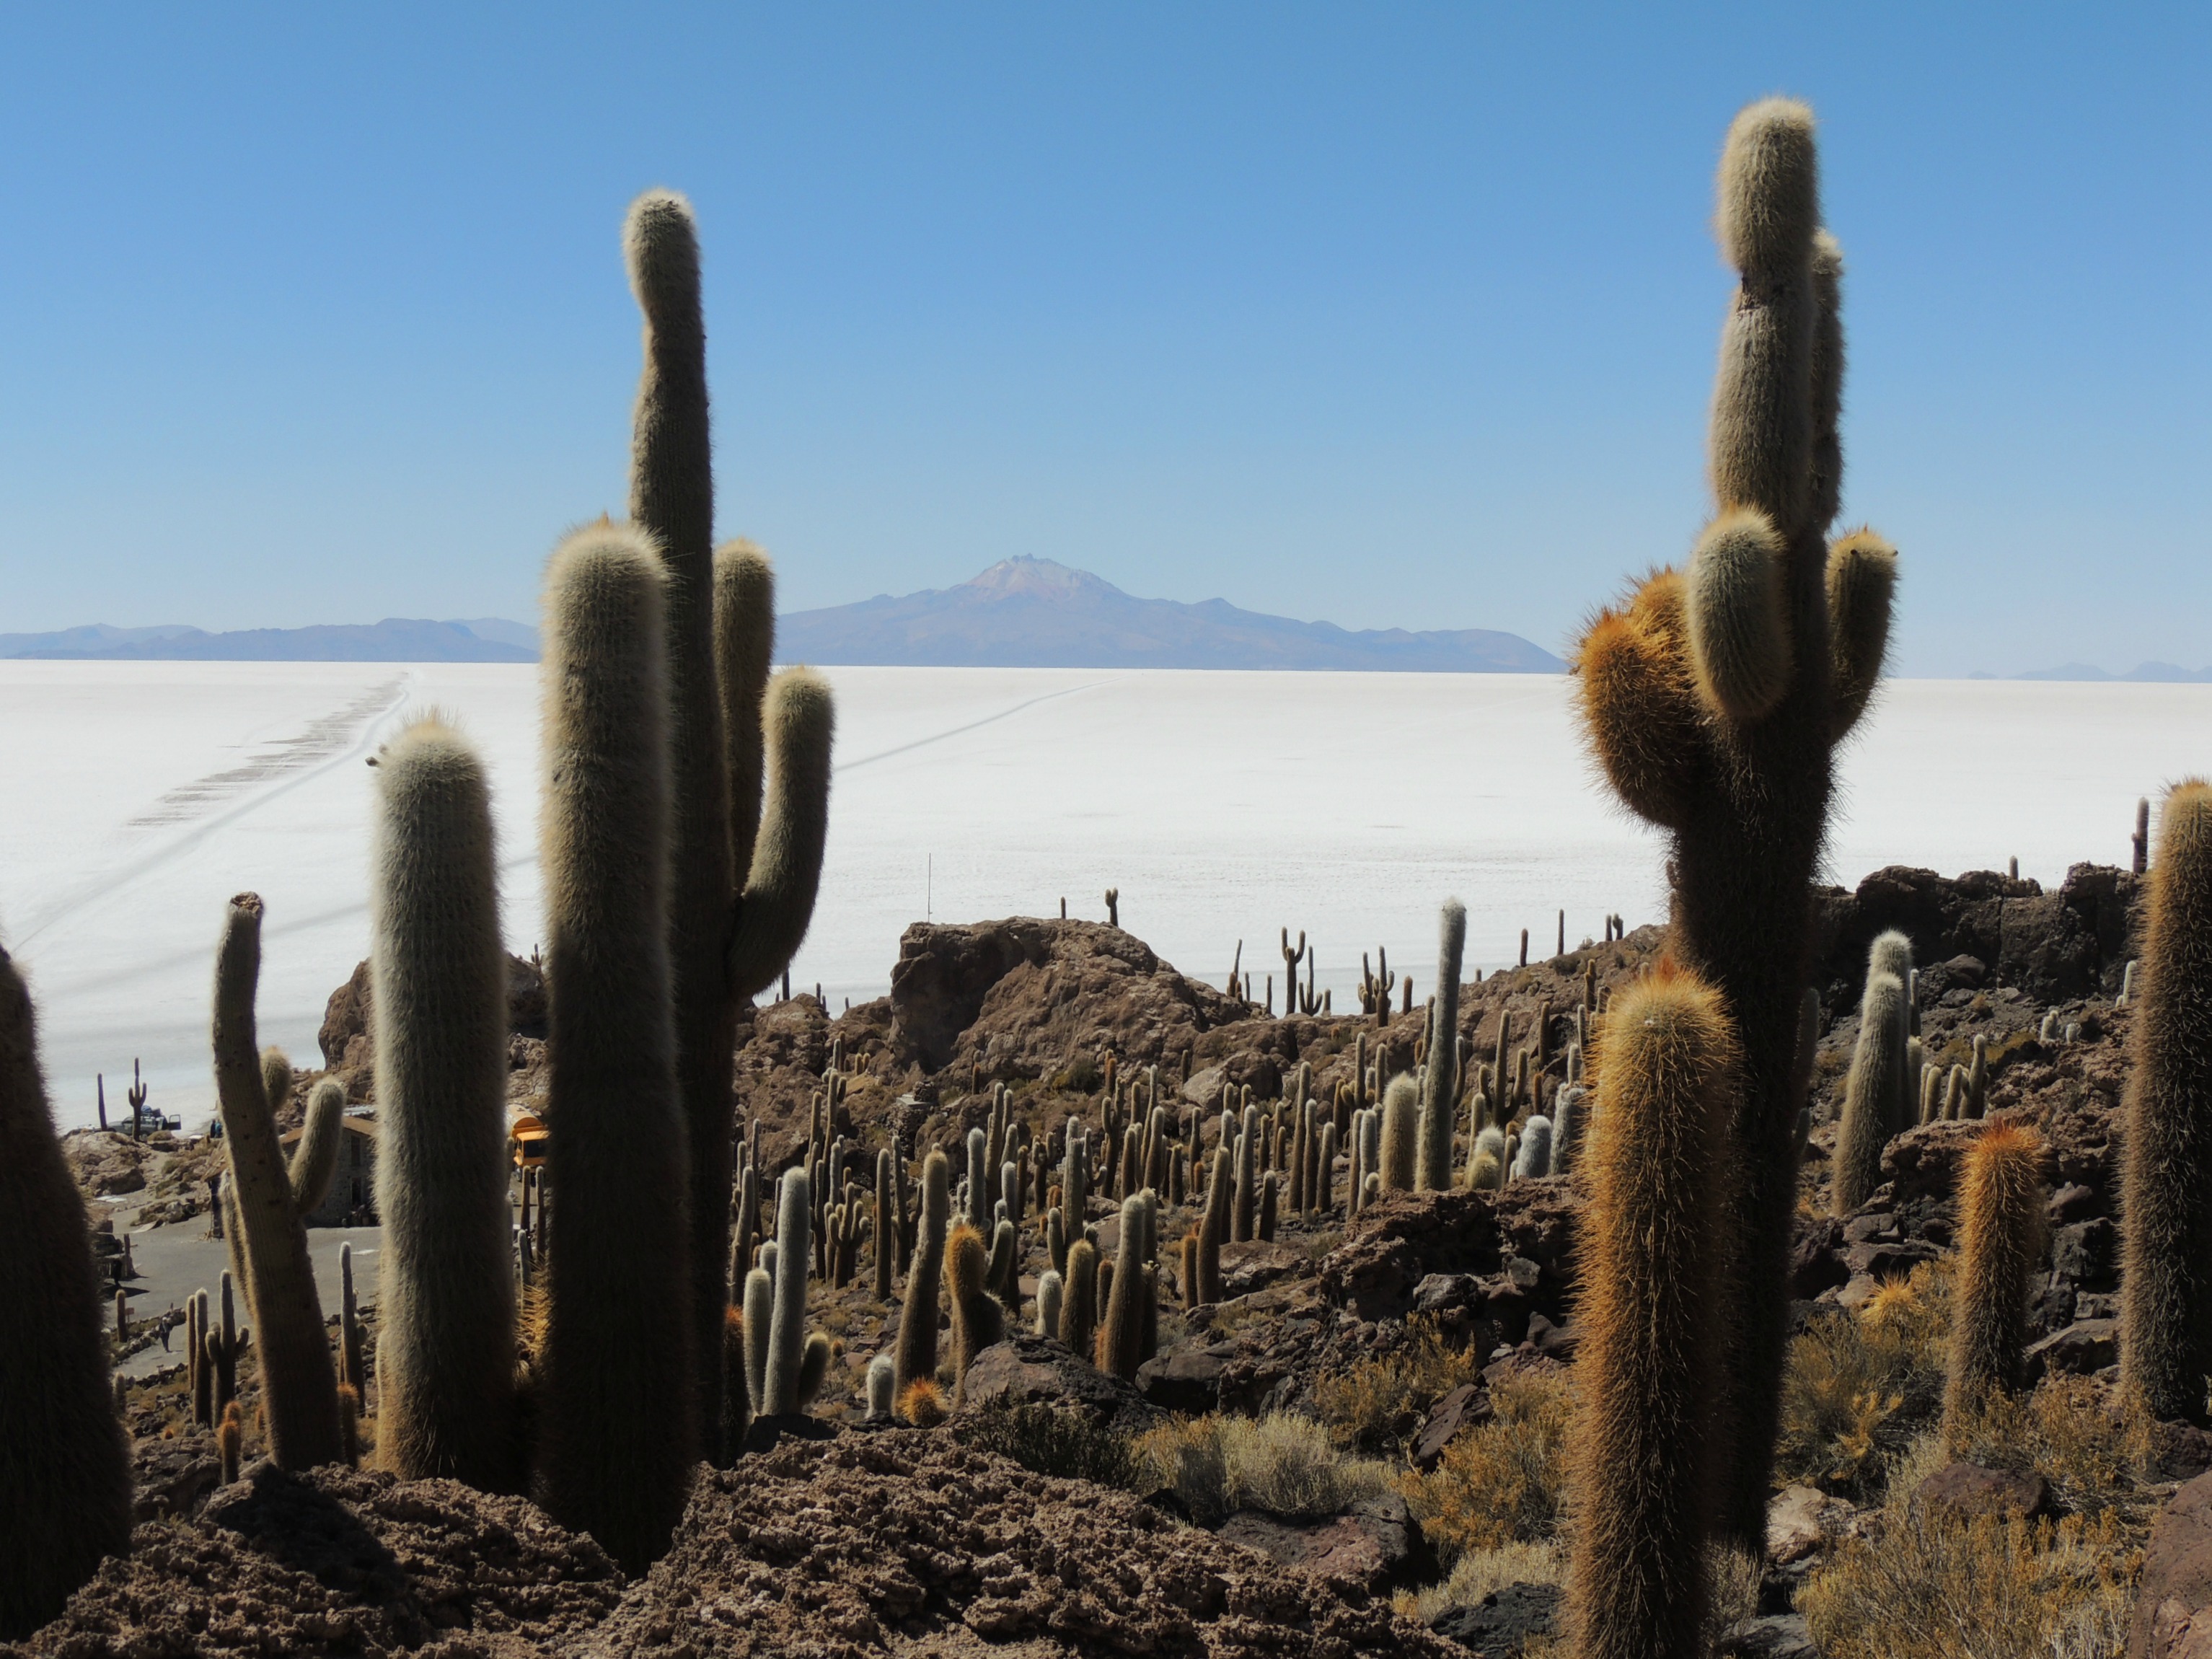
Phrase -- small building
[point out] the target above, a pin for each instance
(526, 1140)
(351, 1200)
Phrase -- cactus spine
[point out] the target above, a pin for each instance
(445, 1353)
(917, 1334)
(299, 1395)
(2001, 1213)
(1666, 1071)
(619, 1278)
(1440, 1082)
(2166, 1289)
(1714, 701)
(787, 1323)
(1874, 1090)
(64, 1465)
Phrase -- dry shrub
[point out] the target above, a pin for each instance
(1068, 1445)
(1924, 1588)
(1280, 1463)
(1378, 1404)
(1847, 1375)
(1480, 1572)
(2067, 1432)
(1504, 1481)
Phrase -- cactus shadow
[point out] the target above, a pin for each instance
(767, 1433)
(291, 1523)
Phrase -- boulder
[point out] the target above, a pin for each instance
(1186, 1378)
(2085, 1345)
(1038, 1371)
(1799, 1520)
(1771, 1636)
(2173, 1596)
(1374, 1546)
(1464, 1407)
(1967, 1491)
(1504, 1622)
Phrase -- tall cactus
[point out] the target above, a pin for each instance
(446, 1355)
(1873, 1094)
(1432, 1166)
(63, 1466)
(1666, 1078)
(2166, 1195)
(1120, 1339)
(741, 882)
(2001, 1234)
(1079, 1306)
(617, 1425)
(299, 1386)
(1715, 697)
(917, 1332)
(786, 1339)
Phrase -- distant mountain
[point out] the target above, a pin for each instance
(396, 639)
(1034, 613)
(2150, 673)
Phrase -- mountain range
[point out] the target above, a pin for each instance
(1020, 613)
(1036, 613)
(396, 639)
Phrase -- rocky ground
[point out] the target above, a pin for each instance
(845, 1540)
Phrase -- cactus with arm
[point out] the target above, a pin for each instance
(1714, 699)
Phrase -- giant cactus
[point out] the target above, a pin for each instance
(1715, 697)
(446, 1355)
(2165, 1292)
(617, 1429)
(299, 1385)
(742, 875)
(64, 1468)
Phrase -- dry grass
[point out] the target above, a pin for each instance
(1504, 1481)
(1921, 1588)
(1480, 1572)
(1283, 1464)
(2067, 1432)
(1849, 1375)
(1378, 1406)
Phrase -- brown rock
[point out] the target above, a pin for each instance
(1036, 1370)
(1966, 1492)
(1799, 1520)
(2085, 1345)
(1370, 1547)
(2173, 1597)
(909, 1542)
(1464, 1407)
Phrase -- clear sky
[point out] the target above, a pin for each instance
(1392, 314)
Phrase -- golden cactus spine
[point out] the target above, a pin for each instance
(2166, 1289)
(2001, 1234)
(1666, 1076)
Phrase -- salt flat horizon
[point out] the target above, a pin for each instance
(1223, 804)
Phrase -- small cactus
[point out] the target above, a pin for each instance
(1120, 1330)
(1534, 1160)
(883, 1374)
(786, 1339)
(922, 1403)
(1048, 1302)
(978, 1318)
(1079, 1311)
(1874, 1093)
(2001, 1213)
(1439, 1086)
(1401, 1113)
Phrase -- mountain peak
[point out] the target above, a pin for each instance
(1042, 579)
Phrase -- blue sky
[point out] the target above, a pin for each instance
(1390, 314)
